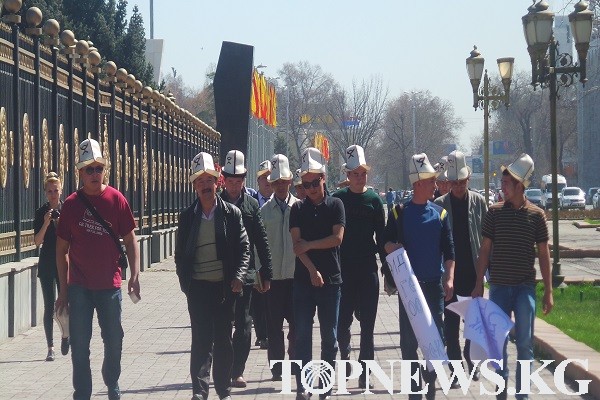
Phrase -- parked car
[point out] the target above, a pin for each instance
(590, 193)
(596, 199)
(572, 197)
(534, 196)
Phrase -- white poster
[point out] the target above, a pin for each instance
(415, 305)
(486, 325)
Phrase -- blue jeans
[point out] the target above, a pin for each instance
(520, 300)
(107, 304)
(326, 301)
(434, 297)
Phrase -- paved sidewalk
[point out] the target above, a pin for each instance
(156, 354)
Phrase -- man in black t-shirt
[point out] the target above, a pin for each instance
(317, 228)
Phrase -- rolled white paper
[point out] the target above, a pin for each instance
(420, 318)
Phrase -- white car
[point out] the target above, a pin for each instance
(572, 197)
(596, 199)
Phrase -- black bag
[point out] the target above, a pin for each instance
(123, 257)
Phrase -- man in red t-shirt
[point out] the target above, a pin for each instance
(88, 255)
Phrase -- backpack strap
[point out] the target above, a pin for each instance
(398, 212)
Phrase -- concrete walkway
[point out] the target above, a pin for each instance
(156, 354)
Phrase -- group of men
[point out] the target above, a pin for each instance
(303, 255)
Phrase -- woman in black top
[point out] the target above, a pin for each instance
(46, 218)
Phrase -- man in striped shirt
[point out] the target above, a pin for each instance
(511, 232)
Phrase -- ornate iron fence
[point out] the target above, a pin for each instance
(52, 96)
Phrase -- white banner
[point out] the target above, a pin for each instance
(416, 307)
(486, 326)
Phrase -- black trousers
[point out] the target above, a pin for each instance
(258, 309)
(210, 316)
(49, 287)
(280, 307)
(360, 292)
(452, 334)
(243, 332)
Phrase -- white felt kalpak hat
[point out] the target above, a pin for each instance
(234, 164)
(89, 153)
(343, 176)
(203, 163)
(442, 169)
(312, 161)
(521, 169)
(297, 178)
(420, 168)
(264, 168)
(457, 166)
(355, 157)
(280, 169)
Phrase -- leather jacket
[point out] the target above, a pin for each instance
(257, 235)
(233, 247)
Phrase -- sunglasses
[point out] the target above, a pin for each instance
(91, 170)
(314, 184)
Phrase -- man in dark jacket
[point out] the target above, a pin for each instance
(235, 173)
(211, 257)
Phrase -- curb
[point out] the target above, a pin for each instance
(557, 344)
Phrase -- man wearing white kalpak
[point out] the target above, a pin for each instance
(466, 210)
(276, 217)
(511, 232)
(422, 228)
(363, 239)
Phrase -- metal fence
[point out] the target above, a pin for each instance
(51, 98)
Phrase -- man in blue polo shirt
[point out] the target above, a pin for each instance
(422, 228)
(317, 229)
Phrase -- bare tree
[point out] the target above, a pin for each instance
(526, 123)
(307, 89)
(354, 118)
(434, 126)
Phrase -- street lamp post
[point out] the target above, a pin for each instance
(414, 126)
(482, 98)
(546, 66)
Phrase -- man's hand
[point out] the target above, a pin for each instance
(134, 285)
(301, 247)
(477, 290)
(236, 285)
(315, 278)
(548, 301)
(266, 286)
(62, 302)
(390, 247)
(448, 288)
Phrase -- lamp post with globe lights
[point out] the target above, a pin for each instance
(486, 96)
(550, 69)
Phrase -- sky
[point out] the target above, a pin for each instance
(410, 45)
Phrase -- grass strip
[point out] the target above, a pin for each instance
(576, 312)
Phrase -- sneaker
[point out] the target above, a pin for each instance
(430, 395)
(455, 384)
(362, 383)
(476, 374)
(303, 396)
(239, 382)
(264, 344)
(276, 378)
(50, 355)
(226, 398)
(64, 346)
